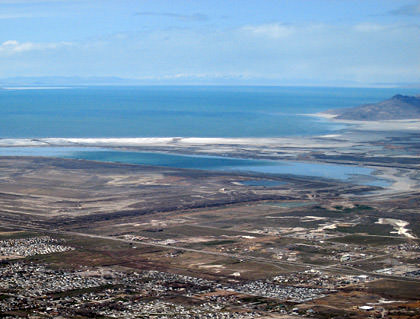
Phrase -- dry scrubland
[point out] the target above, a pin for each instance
(82, 239)
(124, 241)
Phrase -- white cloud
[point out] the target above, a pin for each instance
(273, 30)
(369, 27)
(281, 53)
(365, 52)
(13, 46)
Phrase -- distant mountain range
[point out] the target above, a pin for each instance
(399, 107)
(66, 81)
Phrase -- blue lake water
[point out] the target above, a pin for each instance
(262, 182)
(340, 172)
(194, 111)
(166, 111)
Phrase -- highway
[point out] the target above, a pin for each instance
(348, 270)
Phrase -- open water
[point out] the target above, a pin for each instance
(171, 111)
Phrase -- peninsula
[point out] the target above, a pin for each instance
(399, 107)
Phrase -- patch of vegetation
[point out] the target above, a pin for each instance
(415, 228)
(328, 313)
(72, 259)
(369, 240)
(355, 209)
(392, 289)
(363, 207)
(219, 242)
(253, 299)
(19, 235)
(371, 229)
(307, 249)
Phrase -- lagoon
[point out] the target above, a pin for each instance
(354, 174)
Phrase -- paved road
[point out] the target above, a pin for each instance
(277, 263)
(347, 269)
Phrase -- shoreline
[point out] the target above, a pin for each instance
(360, 144)
(163, 141)
(396, 182)
(382, 125)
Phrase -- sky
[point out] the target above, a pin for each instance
(268, 42)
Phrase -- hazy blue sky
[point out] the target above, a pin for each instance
(309, 42)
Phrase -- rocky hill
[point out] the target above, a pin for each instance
(396, 108)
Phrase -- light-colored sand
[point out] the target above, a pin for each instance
(322, 115)
(281, 148)
(209, 144)
(391, 125)
(326, 227)
(398, 225)
(402, 181)
(312, 218)
(8, 233)
(383, 125)
(211, 266)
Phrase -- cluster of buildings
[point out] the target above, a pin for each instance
(269, 289)
(407, 246)
(410, 271)
(24, 247)
(319, 279)
(34, 280)
(86, 292)
(159, 309)
(43, 291)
